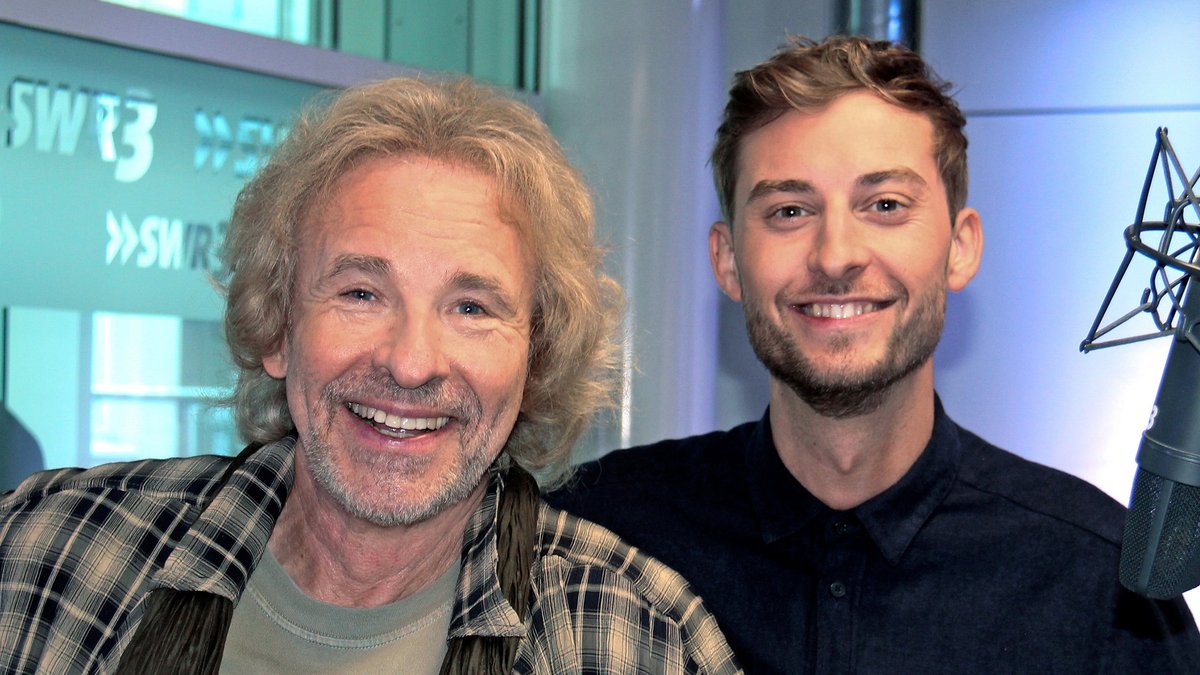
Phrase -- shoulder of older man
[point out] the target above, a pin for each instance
(77, 548)
(606, 606)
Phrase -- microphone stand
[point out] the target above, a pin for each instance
(1160, 557)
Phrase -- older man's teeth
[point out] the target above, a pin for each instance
(838, 311)
(397, 422)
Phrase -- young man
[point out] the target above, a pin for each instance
(415, 308)
(855, 527)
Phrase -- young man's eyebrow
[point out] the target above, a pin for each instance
(768, 187)
(902, 174)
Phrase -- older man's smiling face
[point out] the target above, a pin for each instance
(406, 357)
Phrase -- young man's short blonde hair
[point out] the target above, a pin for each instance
(805, 75)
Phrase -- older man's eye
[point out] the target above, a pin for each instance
(359, 294)
(471, 308)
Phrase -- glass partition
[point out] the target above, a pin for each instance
(156, 384)
(118, 171)
(493, 40)
(94, 387)
(119, 165)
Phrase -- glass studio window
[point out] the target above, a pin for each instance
(290, 20)
(110, 340)
(95, 387)
(111, 345)
(493, 40)
(155, 382)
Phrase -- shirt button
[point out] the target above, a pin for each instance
(837, 589)
(841, 528)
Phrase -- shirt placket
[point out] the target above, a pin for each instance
(839, 587)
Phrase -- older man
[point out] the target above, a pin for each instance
(415, 308)
(856, 527)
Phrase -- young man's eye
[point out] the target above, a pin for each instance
(790, 211)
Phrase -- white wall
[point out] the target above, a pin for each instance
(634, 90)
(1063, 100)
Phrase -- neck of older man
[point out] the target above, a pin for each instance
(845, 461)
(343, 560)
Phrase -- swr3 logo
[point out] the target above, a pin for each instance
(54, 119)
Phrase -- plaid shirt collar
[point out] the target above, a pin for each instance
(223, 546)
(480, 607)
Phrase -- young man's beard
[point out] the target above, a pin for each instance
(845, 394)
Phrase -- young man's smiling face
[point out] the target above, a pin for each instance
(406, 356)
(842, 249)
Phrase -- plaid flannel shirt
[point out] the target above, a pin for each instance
(80, 549)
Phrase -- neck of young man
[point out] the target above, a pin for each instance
(845, 461)
(343, 560)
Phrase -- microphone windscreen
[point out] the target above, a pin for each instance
(1160, 551)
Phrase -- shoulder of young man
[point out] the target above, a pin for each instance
(689, 463)
(1040, 489)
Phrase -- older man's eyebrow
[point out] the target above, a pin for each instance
(764, 188)
(471, 282)
(368, 264)
(902, 175)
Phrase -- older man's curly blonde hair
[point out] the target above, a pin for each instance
(576, 309)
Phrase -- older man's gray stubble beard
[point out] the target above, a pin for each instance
(848, 394)
(453, 486)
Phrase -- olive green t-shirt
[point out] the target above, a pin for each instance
(277, 628)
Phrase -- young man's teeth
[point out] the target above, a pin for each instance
(839, 311)
(397, 422)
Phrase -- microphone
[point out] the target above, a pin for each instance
(1160, 549)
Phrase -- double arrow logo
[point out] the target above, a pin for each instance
(121, 237)
(250, 141)
(216, 139)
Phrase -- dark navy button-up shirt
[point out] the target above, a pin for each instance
(975, 561)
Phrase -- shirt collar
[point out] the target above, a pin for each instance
(227, 539)
(781, 504)
(480, 607)
(225, 542)
(892, 519)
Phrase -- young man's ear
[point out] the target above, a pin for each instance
(724, 264)
(966, 249)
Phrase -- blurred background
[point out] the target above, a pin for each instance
(127, 127)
